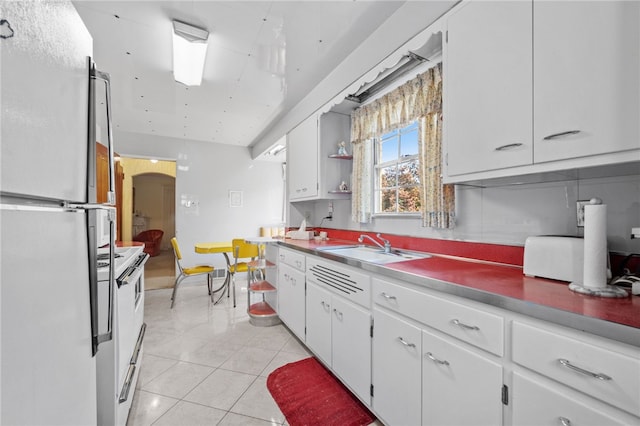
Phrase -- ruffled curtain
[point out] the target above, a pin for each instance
(418, 99)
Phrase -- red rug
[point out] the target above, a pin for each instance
(308, 394)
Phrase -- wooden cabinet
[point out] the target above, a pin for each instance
(102, 183)
(487, 83)
(291, 291)
(312, 174)
(524, 92)
(397, 351)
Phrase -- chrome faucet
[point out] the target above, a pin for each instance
(386, 247)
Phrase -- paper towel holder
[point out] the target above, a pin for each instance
(595, 284)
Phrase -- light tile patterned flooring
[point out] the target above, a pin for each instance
(204, 364)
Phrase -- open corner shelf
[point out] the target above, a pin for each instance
(341, 157)
(339, 192)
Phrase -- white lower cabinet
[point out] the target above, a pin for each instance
(319, 322)
(459, 386)
(396, 377)
(291, 298)
(546, 404)
(338, 332)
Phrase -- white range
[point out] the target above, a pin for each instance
(118, 363)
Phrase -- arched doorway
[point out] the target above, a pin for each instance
(149, 203)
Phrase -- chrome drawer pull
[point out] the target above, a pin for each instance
(338, 313)
(463, 325)
(325, 305)
(564, 421)
(407, 344)
(561, 134)
(386, 296)
(508, 146)
(599, 376)
(434, 359)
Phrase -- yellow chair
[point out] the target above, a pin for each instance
(243, 252)
(192, 271)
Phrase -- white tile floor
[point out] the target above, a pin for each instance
(205, 364)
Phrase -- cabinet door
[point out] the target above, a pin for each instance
(540, 404)
(488, 87)
(396, 369)
(351, 346)
(587, 74)
(454, 377)
(319, 322)
(302, 159)
(291, 298)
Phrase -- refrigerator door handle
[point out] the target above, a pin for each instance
(104, 77)
(96, 337)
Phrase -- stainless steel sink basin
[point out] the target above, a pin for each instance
(372, 254)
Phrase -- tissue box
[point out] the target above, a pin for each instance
(300, 235)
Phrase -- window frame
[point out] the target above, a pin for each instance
(412, 127)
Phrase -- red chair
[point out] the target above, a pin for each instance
(151, 239)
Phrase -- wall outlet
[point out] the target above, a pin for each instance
(580, 211)
(307, 216)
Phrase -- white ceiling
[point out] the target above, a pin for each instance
(245, 87)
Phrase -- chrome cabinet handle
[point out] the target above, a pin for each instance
(436, 360)
(388, 297)
(299, 263)
(561, 134)
(338, 313)
(598, 376)
(282, 257)
(564, 421)
(508, 146)
(463, 325)
(325, 305)
(407, 344)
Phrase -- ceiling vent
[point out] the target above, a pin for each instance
(413, 58)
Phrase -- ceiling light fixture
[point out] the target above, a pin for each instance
(189, 52)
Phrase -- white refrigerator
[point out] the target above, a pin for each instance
(49, 221)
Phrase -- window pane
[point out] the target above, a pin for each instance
(388, 177)
(409, 199)
(409, 144)
(389, 151)
(388, 201)
(408, 173)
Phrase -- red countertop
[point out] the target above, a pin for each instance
(507, 281)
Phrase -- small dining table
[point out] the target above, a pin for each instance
(223, 247)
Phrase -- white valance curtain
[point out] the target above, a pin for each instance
(419, 99)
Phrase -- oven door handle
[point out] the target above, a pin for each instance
(136, 350)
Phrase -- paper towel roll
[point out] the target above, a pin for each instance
(595, 246)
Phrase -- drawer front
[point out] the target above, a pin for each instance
(538, 404)
(601, 372)
(292, 258)
(347, 282)
(478, 328)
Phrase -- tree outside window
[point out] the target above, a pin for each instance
(397, 179)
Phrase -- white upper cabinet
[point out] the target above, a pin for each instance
(487, 78)
(302, 159)
(540, 86)
(312, 173)
(586, 69)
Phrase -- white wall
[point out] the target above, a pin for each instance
(508, 214)
(206, 172)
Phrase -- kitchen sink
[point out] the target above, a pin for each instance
(372, 254)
